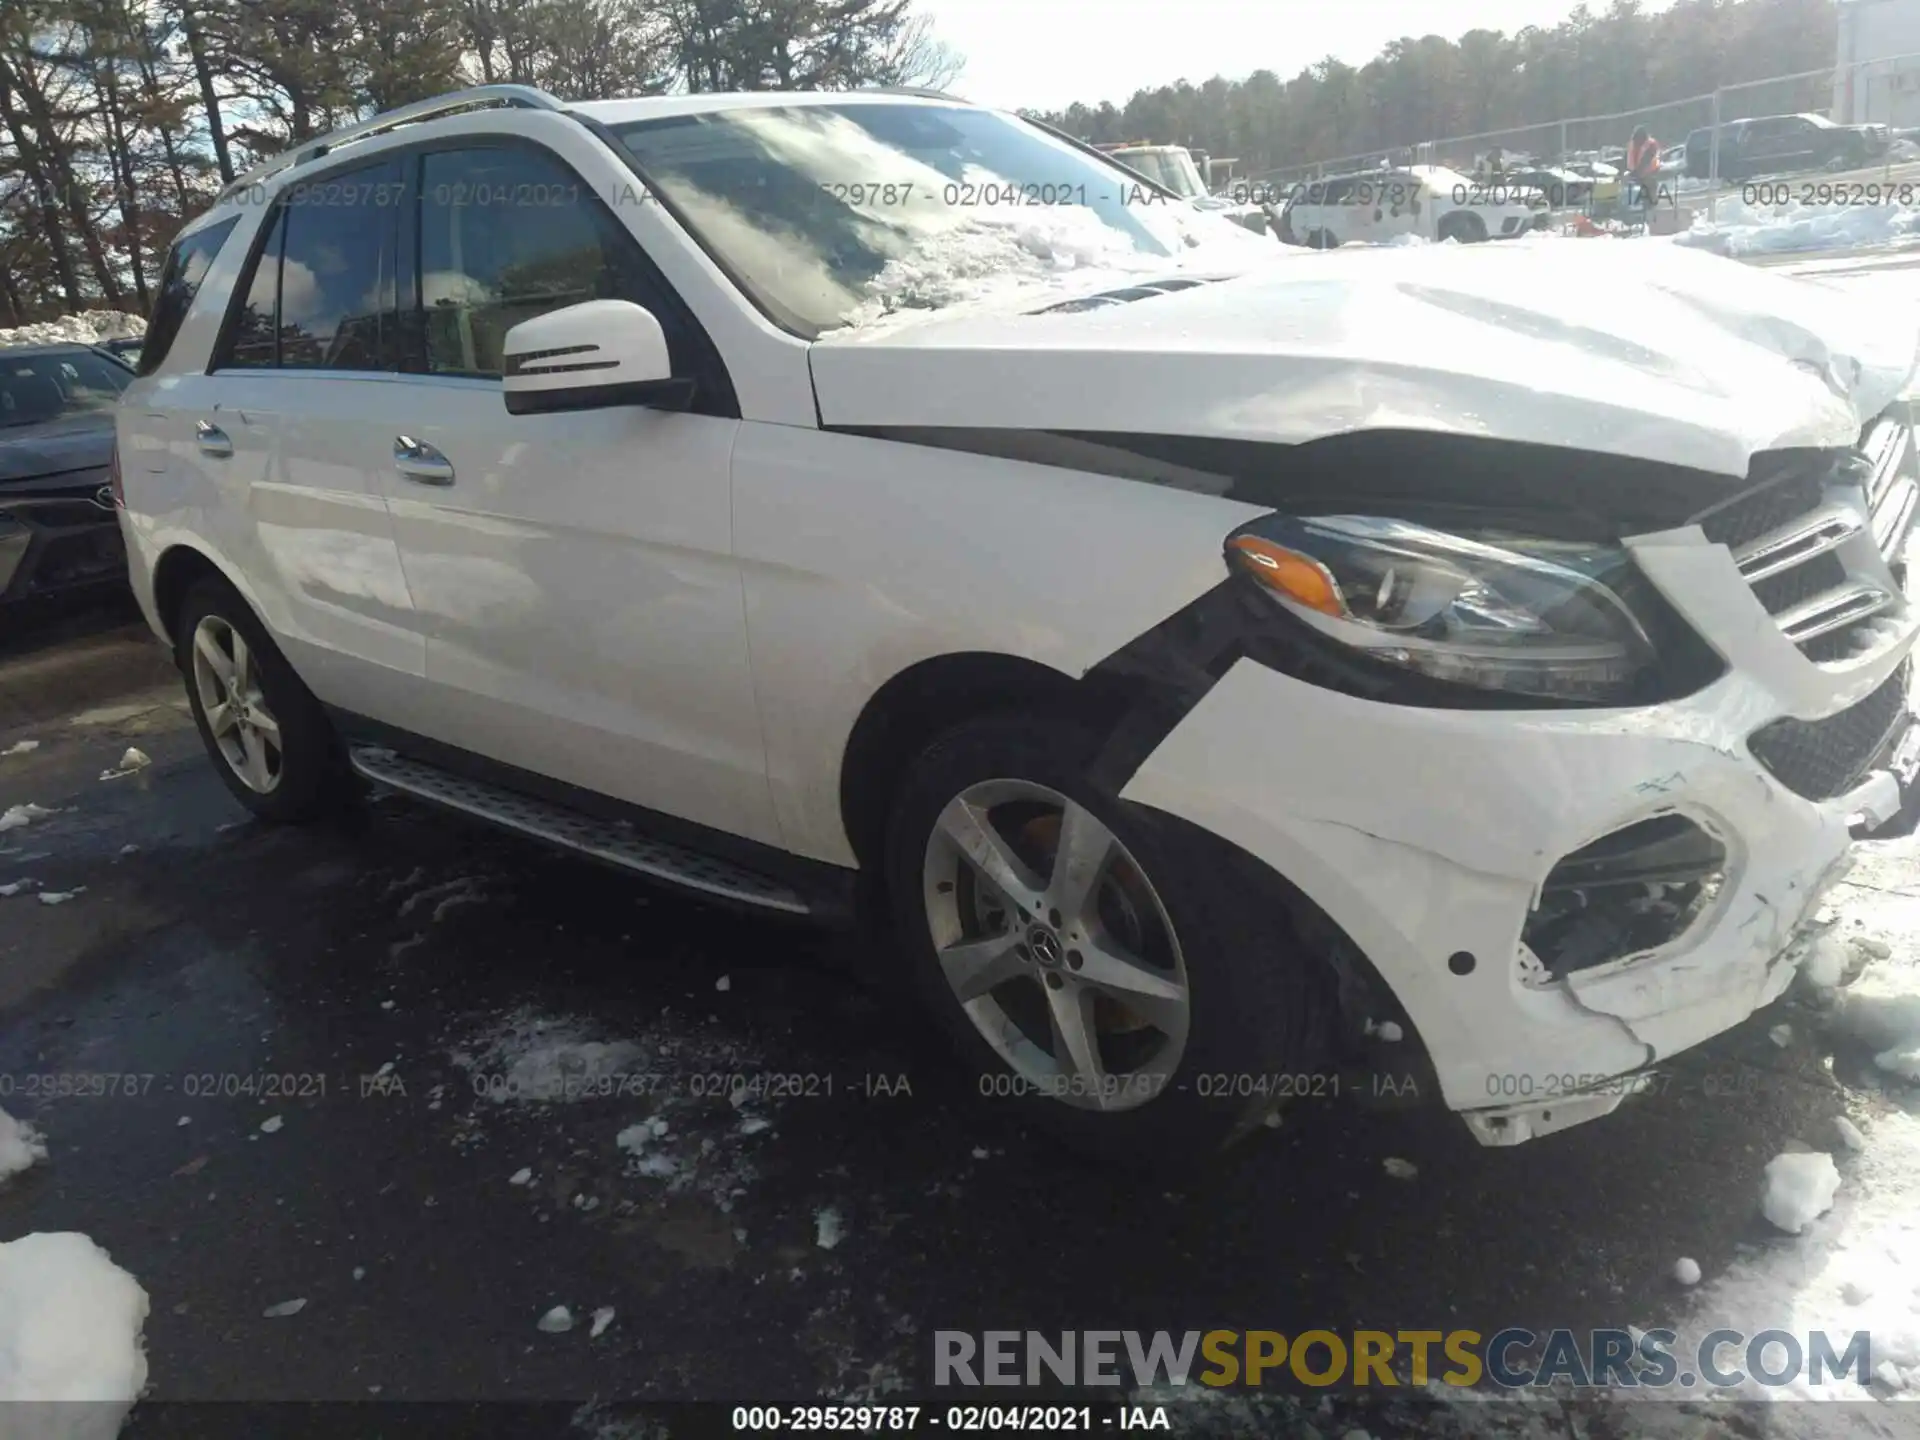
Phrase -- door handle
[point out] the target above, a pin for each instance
(420, 462)
(213, 440)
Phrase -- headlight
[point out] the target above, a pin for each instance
(1528, 616)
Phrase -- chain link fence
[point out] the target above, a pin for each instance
(1712, 148)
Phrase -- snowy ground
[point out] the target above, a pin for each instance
(421, 1113)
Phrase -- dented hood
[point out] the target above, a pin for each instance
(1639, 348)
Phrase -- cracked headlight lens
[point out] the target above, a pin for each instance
(1497, 612)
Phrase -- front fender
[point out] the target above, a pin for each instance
(862, 557)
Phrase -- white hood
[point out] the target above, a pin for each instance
(1637, 348)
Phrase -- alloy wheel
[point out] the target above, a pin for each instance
(244, 730)
(1056, 945)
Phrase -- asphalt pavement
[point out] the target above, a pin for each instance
(338, 1049)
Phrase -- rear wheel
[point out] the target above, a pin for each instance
(1092, 960)
(264, 730)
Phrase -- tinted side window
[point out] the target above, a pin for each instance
(253, 333)
(507, 234)
(336, 272)
(186, 267)
(320, 294)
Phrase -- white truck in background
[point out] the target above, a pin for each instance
(1175, 168)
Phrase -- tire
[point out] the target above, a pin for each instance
(1183, 903)
(304, 777)
(1467, 229)
(1321, 240)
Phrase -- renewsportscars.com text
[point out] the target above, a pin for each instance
(1512, 1358)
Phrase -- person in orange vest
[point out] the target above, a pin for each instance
(1643, 165)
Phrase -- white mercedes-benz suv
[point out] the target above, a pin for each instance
(1199, 653)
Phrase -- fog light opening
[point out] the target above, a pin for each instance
(1637, 889)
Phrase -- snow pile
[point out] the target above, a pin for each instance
(86, 328)
(71, 1359)
(681, 1077)
(16, 816)
(1799, 1189)
(543, 1060)
(638, 1140)
(1826, 964)
(20, 1146)
(829, 1227)
(1744, 229)
(1855, 1267)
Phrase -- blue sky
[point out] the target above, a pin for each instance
(1046, 53)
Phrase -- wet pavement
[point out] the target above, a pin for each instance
(311, 1065)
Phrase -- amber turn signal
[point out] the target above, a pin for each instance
(1287, 572)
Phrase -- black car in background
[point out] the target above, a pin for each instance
(126, 348)
(59, 533)
(1783, 144)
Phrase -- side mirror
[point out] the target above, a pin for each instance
(590, 356)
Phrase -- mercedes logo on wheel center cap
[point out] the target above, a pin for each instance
(1045, 946)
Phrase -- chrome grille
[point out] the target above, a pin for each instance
(1795, 539)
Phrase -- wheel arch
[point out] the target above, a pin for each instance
(936, 694)
(179, 568)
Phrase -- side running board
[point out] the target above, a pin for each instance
(610, 841)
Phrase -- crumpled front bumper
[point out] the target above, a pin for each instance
(1427, 836)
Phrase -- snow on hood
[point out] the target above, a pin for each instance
(1642, 350)
(87, 328)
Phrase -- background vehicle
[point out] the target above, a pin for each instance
(1563, 189)
(1176, 168)
(1169, 165)
(1784, 144)
(59, 535)
(1429, 201)
(125, 348)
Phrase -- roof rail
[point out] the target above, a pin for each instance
(524, 96)
(921, 90)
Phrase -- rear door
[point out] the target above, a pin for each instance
(1803, 144)
(1359, 211)
(279, 438)
(1399, 205)
(1760, 146)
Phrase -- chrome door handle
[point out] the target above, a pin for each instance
(421, 462)
(213, 440)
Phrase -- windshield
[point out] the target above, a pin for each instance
(1172, 168)
(838, 215)
(38, 388)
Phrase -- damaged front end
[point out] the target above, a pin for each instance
(1577, 805)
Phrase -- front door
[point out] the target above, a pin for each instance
(573, 573)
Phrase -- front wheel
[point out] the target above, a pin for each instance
(264, 730)
(1463, 226)
(1095, 961)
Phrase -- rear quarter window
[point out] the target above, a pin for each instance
(187, 265)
